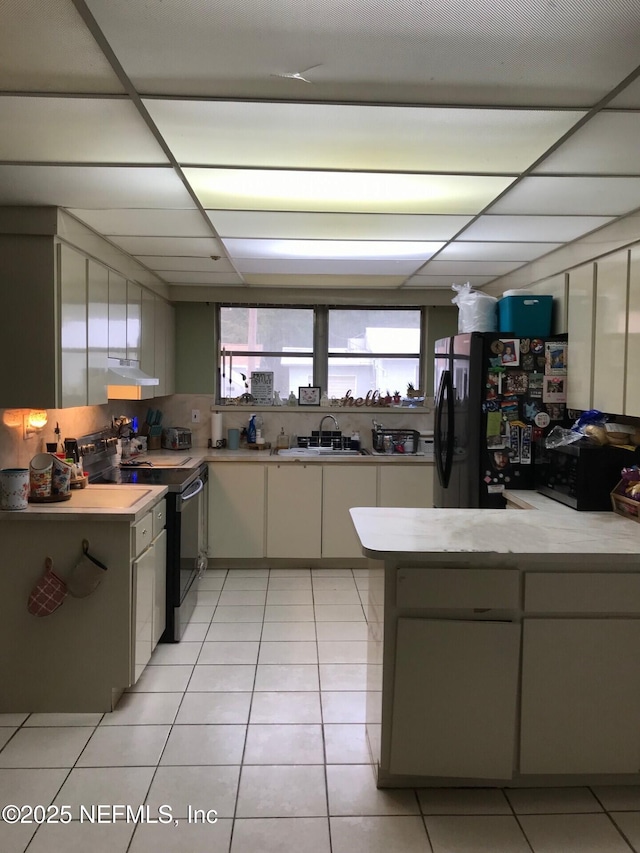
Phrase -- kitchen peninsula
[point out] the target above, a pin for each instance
(509, 644)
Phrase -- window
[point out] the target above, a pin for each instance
(356, 349)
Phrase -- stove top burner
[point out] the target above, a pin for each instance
(135, 463)
(175, 478)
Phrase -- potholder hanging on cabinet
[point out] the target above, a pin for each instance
(48, 594)
(86, 575)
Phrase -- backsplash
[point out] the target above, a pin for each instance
(16, 452)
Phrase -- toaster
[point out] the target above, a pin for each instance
(176, 438)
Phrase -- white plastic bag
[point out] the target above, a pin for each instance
(477, 312)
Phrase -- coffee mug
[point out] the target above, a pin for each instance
(14, 488)
(40, 472)
(233, 439)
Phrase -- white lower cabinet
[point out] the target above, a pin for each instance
(344, 486)
(294, 517)
(405, 485)
(236, 510)
(143, 577)
(580, 696)
(159, 587)
(454, 698)
(149, 574)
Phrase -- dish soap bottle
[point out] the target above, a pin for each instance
(251, 430)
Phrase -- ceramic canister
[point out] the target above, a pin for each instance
(61, 477)
(14, 488)
(40, 471)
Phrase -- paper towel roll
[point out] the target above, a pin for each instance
(217, 431)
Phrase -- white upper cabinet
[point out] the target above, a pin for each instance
(97, 332)
(581, 320)
(147, 342)
(610, 333)
(73, 326)
(117, 315)
(632, 396)
(134, 320)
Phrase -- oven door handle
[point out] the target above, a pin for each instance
(199, 486)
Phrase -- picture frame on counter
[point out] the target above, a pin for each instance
(309, 395)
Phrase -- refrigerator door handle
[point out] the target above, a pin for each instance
(445, 392)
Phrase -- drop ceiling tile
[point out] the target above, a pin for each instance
(346, 136)
(325, 267)
(467, 268)
(445, 281)
(464, 250)
(52, 51)
(606, 145)
(147, 223)
(218, 278)
(571, 196)
(361, 192)
(525, 53)
(92, 186)
(335, 226)
(176, 246)
(535, 228)
(344, 282)
(346, 249)
(185, 264)
(75, 130)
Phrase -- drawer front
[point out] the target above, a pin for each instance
(159, 517)
(586, 592)
(142, 534)
(468, 589)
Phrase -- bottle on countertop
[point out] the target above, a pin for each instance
(251, 430)
(355, 440)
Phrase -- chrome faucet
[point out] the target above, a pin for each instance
(322, 420)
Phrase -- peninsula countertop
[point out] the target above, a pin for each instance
(387, 533)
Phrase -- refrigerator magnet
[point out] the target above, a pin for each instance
(555, 354)
(536, 381)
(527, 361)
(497, 347)
(554, 389)
(542, 420)
(517, 382)
(531, 408)
(525, 445)
(556, 411)
(525, 345)
(537, 346)
(511, 354)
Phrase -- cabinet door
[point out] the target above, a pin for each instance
(73, 327)
(134, 320)
(170, 350)
(632, 390)
(294, 516)
(164, 348)
(143, 580)
(454, 698)
(117, 315)
(236, 510)
(159, 587)
(610, 333)
(344, 486)
(580, 325)
(147, 342)
(97, 332)
(406, 485)
(580, 696)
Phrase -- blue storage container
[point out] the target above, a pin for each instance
(525, 316)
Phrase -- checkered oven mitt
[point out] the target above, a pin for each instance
(48, 594)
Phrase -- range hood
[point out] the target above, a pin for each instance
(125, 380)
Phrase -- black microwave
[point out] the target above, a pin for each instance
(582, 475)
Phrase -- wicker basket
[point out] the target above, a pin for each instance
(627, 507)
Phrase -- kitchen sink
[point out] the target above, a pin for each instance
(311, 452)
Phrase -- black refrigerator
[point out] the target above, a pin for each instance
(497, 397)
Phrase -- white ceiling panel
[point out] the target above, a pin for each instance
(335, 226)
(445, 281)
(361, 192)
(176, 246)
(347, 249)
(146, 223)
(92, 186)
(468, 268)
(73, 130)
(536, 228)
(571, 196)
(629, 98)
(167, 264)
(219, 278)
(525, 53)
(470, 251)
(339, 136)
(247, 266)
(47, 48)
(605, 145)
(312, 282)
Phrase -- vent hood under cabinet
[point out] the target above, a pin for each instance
(125, 379)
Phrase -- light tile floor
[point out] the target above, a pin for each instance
(259, 715)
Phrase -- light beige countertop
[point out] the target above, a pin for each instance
(388, 533)
(530, 499)
(95, 502)
(245, 455)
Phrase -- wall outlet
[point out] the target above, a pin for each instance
(195, 416)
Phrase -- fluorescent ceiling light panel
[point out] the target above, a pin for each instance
(258, 189)
(476, 251)
(344, 282)
(354, 249)
(327, 266)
